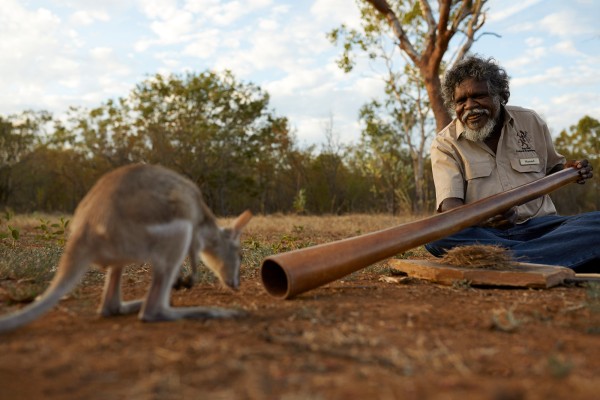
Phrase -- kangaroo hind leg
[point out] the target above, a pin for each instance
(112, 303)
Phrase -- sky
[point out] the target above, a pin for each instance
(55, 54)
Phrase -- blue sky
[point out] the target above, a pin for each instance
(60, 53)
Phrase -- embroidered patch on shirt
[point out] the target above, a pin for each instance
(524, 142)
(529, 161)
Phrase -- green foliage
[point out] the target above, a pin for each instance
(254, 251)
(19, 134)
(402, 120)
(299, 204)
(210, 127)
(580, 141)
(53, 232)
(9, 231)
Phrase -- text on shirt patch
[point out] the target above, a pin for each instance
(529, 161)
(524, 142)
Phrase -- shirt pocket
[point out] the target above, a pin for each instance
(478, 169)
(517, 166)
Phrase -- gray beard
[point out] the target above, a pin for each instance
(479, 135)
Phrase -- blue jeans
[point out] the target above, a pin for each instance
(568, 241)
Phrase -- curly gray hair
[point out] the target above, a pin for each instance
(480, 69)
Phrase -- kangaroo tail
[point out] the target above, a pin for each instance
(72, 266)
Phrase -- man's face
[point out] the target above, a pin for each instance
(476, 108)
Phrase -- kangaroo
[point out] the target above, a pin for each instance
(142, 213)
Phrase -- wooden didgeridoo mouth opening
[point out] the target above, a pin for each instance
(289, 274)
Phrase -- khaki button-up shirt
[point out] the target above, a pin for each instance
(471, 171)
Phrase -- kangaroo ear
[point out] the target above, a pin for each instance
(242, 221)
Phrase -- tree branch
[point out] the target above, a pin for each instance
(460, 15)
(384, 8)
(428, 14)
(473, 26)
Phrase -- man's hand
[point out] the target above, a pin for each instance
(584, 167)
(502, 221)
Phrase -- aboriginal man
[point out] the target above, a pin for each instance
(491, 147)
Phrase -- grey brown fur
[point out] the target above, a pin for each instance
(142, 213)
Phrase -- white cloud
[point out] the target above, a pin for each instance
(335, 12)
(158, 9)
(567, 23)
(505, 9)
(84, 17)
(580, 74)
(268, 24)
(174, 28)
(31, 52)
(83, 52)
(567, 47)
(572, 106)
(204, 44)
(534, 41)
(553, 75)
(101, 53)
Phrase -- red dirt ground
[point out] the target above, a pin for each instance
(368, 336)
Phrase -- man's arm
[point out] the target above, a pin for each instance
(500, 221)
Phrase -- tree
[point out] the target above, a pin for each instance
(330, 172)
(409, 109)
(580, 141)
(18, 136)
(423, 34)
(52, 179)
(383, 161)
(208, 126)
(412, 90)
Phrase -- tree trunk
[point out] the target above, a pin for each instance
(440, 112)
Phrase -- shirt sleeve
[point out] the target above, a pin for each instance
(553, 157)
(447, 172)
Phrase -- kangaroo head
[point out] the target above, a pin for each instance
(221, 251)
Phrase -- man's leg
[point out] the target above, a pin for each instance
(572, 242)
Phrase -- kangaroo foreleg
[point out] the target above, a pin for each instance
(176, 241)
(189, 280)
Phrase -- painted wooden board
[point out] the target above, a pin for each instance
(521, 275)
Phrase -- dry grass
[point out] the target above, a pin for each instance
(265, 235)
(480, 256)
(269, 227)
(29, 222)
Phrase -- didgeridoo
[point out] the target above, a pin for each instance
(289, 274)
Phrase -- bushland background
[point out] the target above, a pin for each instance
(221, 134)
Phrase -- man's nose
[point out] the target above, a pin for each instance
(470, 103)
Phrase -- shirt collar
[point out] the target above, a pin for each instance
(460, 128)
